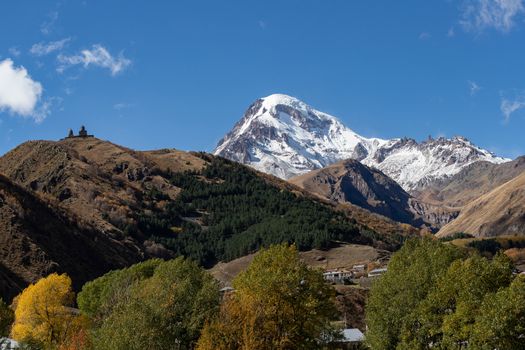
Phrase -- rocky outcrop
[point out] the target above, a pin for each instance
(350, 181)
(437, 215)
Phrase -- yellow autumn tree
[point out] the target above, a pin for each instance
(43, 312)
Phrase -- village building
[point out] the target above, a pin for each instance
(338, 275)
(352, 336)
(350, 339)
(377, 272)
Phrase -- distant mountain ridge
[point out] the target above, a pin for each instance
(284, 136)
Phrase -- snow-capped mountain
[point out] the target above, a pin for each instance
(284, 136)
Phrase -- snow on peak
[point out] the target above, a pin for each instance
(283, 136)
(282, 99)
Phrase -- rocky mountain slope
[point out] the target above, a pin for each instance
(283, 136)
(350, 181)
(498, 212)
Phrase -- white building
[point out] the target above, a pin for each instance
(352, 335)
(377, 272)
(337, 276)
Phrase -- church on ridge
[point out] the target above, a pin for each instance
(82, 133)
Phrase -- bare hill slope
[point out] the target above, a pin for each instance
(498, 212)
(38, 238)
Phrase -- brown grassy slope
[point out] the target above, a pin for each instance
(99, 181)
(37, 238)
(470, 183)
(499, 212)
(87, 182)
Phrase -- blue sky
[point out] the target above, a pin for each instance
(157, 74)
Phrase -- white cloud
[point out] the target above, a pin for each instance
(14, 51)
(19, 94)
(498, 14)
(42, 111)
(424, 36)
(473, 87)
(262, 24)
(47, 27)
(97, 56)
(42, 48)
(120, 106)
(510, 106)
(451, 32)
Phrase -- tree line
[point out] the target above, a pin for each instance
(278, 303)
(433, 296)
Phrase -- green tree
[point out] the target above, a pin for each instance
(278, 303)
(6, 318)
(165, 311)
(446, 317)
(394, 298)
(501, 321)
(98, 297)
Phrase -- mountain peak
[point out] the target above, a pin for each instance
(276, 99)
(284, 136)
